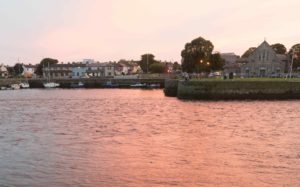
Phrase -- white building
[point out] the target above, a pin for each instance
(100, 70)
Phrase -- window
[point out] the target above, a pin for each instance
(278, 70)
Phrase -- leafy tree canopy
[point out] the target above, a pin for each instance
(296, 57)
(45, 62)
(198, 50)
(216, 62)
(279, 48)
(146, 61)
(248, 52)
(18, 69)
(176, 66)
(10, 70)
(157, 68)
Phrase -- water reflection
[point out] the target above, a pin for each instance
(141, 138)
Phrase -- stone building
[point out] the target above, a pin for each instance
(231, 64)
(264, 62)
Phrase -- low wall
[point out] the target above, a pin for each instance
(8, 82)
(224, 90)
(89, 83)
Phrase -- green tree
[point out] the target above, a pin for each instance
(296, 51)
(248, 52)
(18, 69)
(176, 66)
(146, 61)
(45, 62)
(11, 70)
(157, 68)
(279, 48)
(216, 62)
(197, 51)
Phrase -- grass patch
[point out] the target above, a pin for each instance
(248, 79)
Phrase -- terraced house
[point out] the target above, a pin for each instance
(100, 70)
(264, 62)
(58, 71)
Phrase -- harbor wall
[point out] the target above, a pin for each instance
(171, 86)
(240, 90)
(89, 83)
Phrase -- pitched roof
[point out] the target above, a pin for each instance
(264, 43)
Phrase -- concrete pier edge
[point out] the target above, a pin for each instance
(233, 90)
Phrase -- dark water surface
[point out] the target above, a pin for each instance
(141, 138)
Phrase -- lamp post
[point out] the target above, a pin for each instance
(147, 64)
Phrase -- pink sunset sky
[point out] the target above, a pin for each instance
(109, 30)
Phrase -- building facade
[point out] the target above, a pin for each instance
(231, 64)
(29, 70)
(100, 70)
(127, 68)
(3, 71)
(264, 62)
(58, 71)
(79, 70)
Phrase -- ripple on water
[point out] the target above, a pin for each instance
(141, 138)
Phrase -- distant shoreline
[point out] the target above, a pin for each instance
(88, 83)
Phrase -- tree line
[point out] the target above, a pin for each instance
(149, 64)
(197, 56)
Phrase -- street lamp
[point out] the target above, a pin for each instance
(147, 64)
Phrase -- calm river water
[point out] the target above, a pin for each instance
(142, 138)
